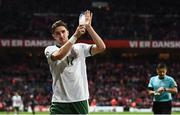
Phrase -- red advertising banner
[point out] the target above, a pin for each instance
(139, 44)
(109, 43)
(25, 43)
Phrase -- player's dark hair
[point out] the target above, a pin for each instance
(57, 24)
(161, 66)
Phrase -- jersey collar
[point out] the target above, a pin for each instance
(162, 78)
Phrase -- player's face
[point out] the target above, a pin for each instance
(61, 35)
(161, 72)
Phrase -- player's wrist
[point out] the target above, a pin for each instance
(88, 27)
(73, 39)
(165, 89)
(156, 93)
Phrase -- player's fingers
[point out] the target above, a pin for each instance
(81, 29)
(81, 26)
(87, 12)
(91, 15)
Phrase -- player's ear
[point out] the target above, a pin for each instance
(67, 35)
(67, 32)
(157, 70)
(53, 36)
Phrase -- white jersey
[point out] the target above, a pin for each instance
(69, 74)
(16, 100)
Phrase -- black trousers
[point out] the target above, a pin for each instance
(162, 107)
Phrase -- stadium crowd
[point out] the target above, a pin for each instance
(112, 19)
(123, 79)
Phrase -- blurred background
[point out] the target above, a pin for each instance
(138, 33)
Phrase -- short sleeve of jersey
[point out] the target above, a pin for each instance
(48, 52)
(86, 49)
(173, 83)
(150, 85)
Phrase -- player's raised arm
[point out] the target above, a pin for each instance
(99, 45)
(60, 34)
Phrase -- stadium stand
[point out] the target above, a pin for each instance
(113, 20)
(122, 77)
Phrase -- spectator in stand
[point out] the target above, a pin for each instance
(93, 105)
(114, 103)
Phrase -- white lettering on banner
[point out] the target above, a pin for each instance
(26, 43)
(165, 44)
(144, 44)
(133, 44)
(16, 43)
(5, 43)
(154, 44)
(37, 43)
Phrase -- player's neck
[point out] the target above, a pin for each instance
(161, 77)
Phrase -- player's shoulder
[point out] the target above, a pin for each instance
(154, 77)
(169, 77)
(50, 47)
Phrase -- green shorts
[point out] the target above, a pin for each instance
(80, 107)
